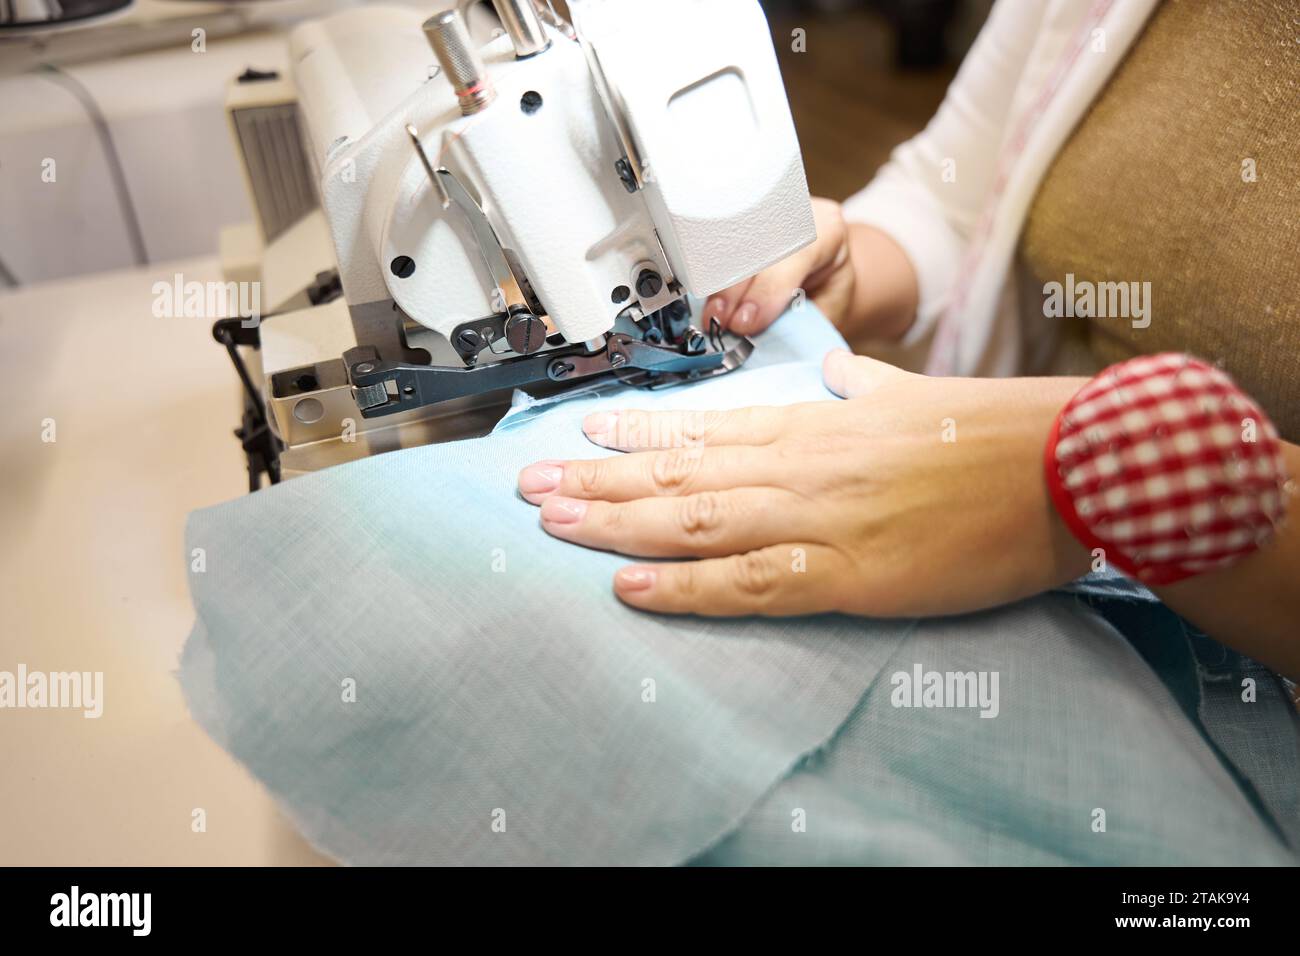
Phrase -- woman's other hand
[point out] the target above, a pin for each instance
(857, 275)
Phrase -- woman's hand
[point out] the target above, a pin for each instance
(917, 496)
(858, 276)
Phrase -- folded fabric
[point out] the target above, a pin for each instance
(419, 674)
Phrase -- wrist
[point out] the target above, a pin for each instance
(1024, 547)
(1066, 556)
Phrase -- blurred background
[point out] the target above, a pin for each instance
(114, 150)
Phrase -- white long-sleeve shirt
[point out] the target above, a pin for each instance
(956, 195)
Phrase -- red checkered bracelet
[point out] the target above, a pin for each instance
(1168, 467)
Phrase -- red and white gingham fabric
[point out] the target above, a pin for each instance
(1168, 467)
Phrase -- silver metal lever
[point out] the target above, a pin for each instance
(488, 243)
(412, 132)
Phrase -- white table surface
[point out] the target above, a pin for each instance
(93, 578)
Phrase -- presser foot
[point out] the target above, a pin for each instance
(382, 387)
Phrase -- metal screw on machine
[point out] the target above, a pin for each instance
(649, 283)
(525, 333)
(460, 61)
(469, 340)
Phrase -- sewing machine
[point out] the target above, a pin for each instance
(444, 217)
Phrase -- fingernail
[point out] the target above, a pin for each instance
(745, 316)
(715, 308)
(541, 478)
(600, 425)
(634, 578)
(563, 510)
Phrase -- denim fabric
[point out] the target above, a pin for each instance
(1243, 709)
(419, 674)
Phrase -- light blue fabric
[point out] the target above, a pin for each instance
(1085, 726)
(498, 681)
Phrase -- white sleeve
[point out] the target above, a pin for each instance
(929, 195)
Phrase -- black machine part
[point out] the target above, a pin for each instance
(654, 351)
(644, 351)
(261, 447)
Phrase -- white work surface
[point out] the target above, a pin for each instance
(93, 578)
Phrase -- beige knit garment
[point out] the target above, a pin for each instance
(1185, 173)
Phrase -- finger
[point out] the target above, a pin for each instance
(768, 581)
(772, 292)
(675, 472)
(709, 524)
(851, 376)
(634, 430)
(775, 288)
(722, 305)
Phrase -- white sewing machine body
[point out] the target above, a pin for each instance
(538, 225)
